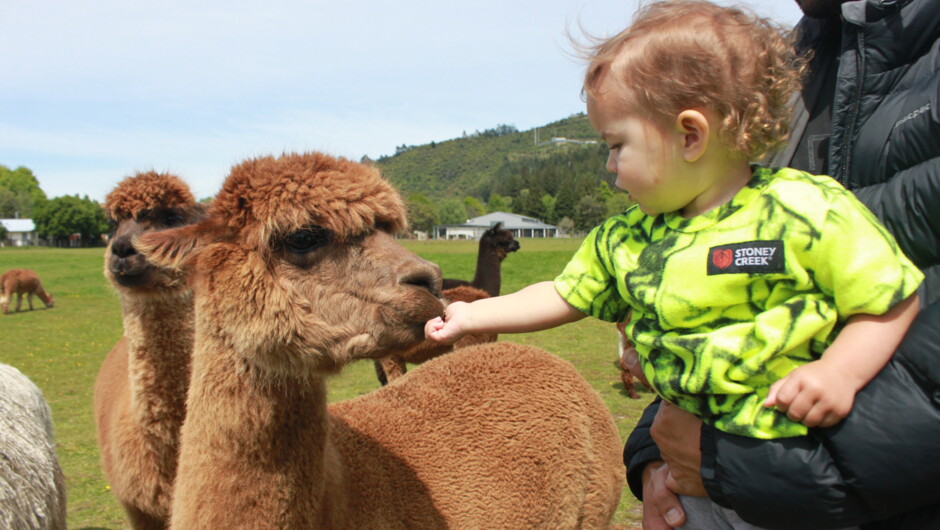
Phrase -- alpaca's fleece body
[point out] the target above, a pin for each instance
(294, 276)
(393, 366)
(32, 488)
(141, 388)
(19, 282)
(498, 435)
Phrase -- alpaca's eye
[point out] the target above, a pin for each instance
(306, 240)
(171, 218)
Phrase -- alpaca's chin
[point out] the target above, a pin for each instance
(376, 344)
(146, 280)
(130, 280)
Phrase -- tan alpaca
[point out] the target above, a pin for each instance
(141, 387)
(391, 367)
(20, 282)
(294, 275)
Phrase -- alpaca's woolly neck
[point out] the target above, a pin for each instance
(44, 296)
(254, 449)
(160, 334)
(488, 276)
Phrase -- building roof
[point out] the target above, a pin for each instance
(18, 225)
(510, 221)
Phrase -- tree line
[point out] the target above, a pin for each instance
(56, 219)
(556, 173)
(567, 186)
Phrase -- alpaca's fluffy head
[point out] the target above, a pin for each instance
(295, 268)
(499, 241)
(138, 204)
(268, 197)
(146, 192)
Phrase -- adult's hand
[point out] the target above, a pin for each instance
(661, 507)
(678, 435)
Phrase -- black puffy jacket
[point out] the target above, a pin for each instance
(885, 138)
(884, 146)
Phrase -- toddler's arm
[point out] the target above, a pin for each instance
(821, 393)
(534, 308)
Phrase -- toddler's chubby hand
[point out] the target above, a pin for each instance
(814, 394)
(449, 329)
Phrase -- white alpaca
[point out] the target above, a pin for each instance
(32, 488)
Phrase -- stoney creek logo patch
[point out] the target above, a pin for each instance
(749, 257)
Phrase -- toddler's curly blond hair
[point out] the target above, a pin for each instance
(687, 54)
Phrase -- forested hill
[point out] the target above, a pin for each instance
(545, 172)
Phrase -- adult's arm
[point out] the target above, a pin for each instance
(885, 449)
(640, 449)
(907, 205)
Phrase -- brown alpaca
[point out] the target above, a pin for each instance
(391, 367)
(495, 244)
(20, 282)
(140, 392)
(294, 275)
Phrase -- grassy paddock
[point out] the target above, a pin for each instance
(60, 350)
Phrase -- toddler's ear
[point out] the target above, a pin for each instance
(694, 128)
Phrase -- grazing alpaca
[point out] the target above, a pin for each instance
(20, 282)
(495, 244)
(294, 275)
(391, 367)
(32, 488)
(140, 392)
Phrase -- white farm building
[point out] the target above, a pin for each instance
(20, 232)
(519, 225)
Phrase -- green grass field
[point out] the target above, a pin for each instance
(60, 349)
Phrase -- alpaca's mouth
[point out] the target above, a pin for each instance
(132, 271)
(127, 270)
(131, 280)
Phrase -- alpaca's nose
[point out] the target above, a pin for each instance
(122, 247)
(423, 274)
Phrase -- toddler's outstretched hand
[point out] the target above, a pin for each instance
(814, 394)
(449, 329)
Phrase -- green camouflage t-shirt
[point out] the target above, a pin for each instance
(726, 303)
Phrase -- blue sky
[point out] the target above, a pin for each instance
(92, 92)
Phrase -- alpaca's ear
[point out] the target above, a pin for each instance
(173, 248)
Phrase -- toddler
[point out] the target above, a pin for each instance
(759, 299)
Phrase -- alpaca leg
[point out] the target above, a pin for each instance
(380, 372)
(141, 520)
(627, 378)
(29, 300)
(394, 367)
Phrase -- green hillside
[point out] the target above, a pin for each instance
(466, 166)
(534, 172)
